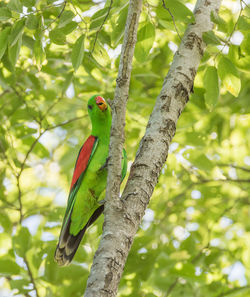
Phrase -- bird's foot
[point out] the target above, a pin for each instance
(105, 165)
(102, 202)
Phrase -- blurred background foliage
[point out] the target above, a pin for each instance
(194, 239)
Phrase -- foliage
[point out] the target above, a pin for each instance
(194, 238)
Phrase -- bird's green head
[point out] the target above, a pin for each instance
(100, 115)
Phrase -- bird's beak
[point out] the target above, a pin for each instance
(101, 103)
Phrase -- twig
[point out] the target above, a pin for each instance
(228, 42)
(80, 16)
(28, 152)
(100, 28)
(172, 17)
(231, 291)
(4, 92)
(234, 166)
(39, 136)
(203, 181)
(245, 3)
(172, 286)
(24, 102)
(65, 123)
(19, 197)
(58, 17)
(10, 205)
(31, 275)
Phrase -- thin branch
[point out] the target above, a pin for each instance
(227, 42)
(234, 166)
(31, 276)
(28, 153)
(234, 290)
(203, 181)
(100, 28)
(24, 102)
(172, 286)
(245, 3)
(58, 17)
(9, 205)
(19, 197)
(172, 17)
(65, 123)
(4, 92)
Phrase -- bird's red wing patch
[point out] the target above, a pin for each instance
(83, 159)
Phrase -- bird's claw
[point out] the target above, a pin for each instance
(105, 165)
(102, 202)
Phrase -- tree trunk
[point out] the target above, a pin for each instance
(123, 216)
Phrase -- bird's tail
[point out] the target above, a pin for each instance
(69, 243)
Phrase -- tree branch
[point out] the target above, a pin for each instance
(234, 290)
(204, 181)
(172, 17)
(107, 268)
(234, 166)
(100, 28)
(31, 276)
(123, 216)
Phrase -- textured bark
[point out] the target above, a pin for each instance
(123, 216)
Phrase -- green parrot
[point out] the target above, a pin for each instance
(88, 182)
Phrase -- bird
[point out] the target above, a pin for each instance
(88, 182)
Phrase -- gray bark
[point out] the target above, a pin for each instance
(123, 216)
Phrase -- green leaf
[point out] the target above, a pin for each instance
(38, 46)
(5, 221)
(78, 52)
(28, 3)
(69, 27)
(14, 51)
(178, 10)
(16, 32)
(200, 161)
(100, 54)
(32, 22)
(39, 53)
(4, 41)
(98, 18)
(211, 85)
(243, 23)
(65, 18)
(5, 14)
(210, 38)
(28, 41)
(67, 81)
(21, 241)
(119, 27)
(217, 19)
(146, 37)
(8, 267)
(41, 151)
(20, 285)
(57, 36)
(15, 5)
(229, 76)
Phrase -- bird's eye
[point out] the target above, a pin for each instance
(101, 103)
(90, 107)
